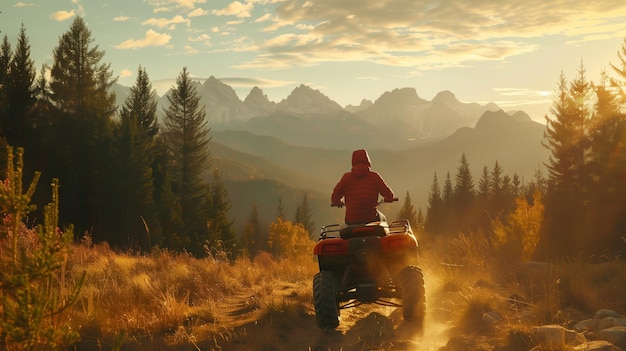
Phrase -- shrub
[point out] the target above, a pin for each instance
(289, 240)
(33, 294)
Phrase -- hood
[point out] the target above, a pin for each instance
(360, 163)
(360, 156)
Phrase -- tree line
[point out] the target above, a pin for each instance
(578, 209)
(125, 178)
(134, 182)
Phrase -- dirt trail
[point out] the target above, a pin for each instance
(367, 327)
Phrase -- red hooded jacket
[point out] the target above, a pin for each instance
(360, 188)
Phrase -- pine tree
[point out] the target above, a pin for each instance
(220, 236)
(484, 200)
(42, 132)
(566, 136)
(20, 92)
(421, 222)
(619, 81)
(607, 206)
(137, 217)
(304, 216)
(464, 184)
(254, 237)
(538, 183)
(499, 200)
(80, 82)
(280, 210)
(186, 135)
(495, 184)
(142, 105)
(619, 69)
(79, 154)
(168, 204)
(5, 61)
(483, 184)
(407, 211)
(448, 192)
(434, 211)
(464, 196)
(516, 186)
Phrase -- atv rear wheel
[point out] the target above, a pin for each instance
(325, 300)
(411, 280)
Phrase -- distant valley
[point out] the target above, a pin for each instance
(267, 150)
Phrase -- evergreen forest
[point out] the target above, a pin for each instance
(136, 182)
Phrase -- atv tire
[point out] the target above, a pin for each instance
(411, 281)
(325, 300)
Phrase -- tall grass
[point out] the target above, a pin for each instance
(173, 296)
(479, 291)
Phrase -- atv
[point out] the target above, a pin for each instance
(367, 263)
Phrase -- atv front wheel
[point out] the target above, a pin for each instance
(411, 280)
(325, 300)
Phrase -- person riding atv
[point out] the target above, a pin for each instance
(366, 260)
(360, 189)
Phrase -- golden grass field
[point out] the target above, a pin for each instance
(167, 301)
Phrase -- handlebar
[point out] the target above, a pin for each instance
(380, 202)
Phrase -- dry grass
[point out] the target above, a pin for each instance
(148, 301)
(478, 293)
(175, 297)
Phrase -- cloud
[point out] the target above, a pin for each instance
(162, 86)
(198, 12)
(190, 50)
(152, 38)
(81, 9)
(292, 40)
(234, 23)
(523, 92)
(264, 18)
(236, 9)
(23, 4)
(239, 82)
(204, 38)
(121, 19)
(164, 22)
(201, 37)
(189, 4)
(424, 35)
(62, 15)
(126, 73)
(166, 4)
(524, 97)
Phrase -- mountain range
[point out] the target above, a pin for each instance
(309, 118)
(269, 150)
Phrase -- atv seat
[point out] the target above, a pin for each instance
(379, 229)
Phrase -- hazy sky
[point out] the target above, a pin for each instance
(508, 52)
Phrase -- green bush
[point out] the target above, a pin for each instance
(33, 291)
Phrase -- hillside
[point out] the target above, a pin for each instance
(514, 141)
(303, 143)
